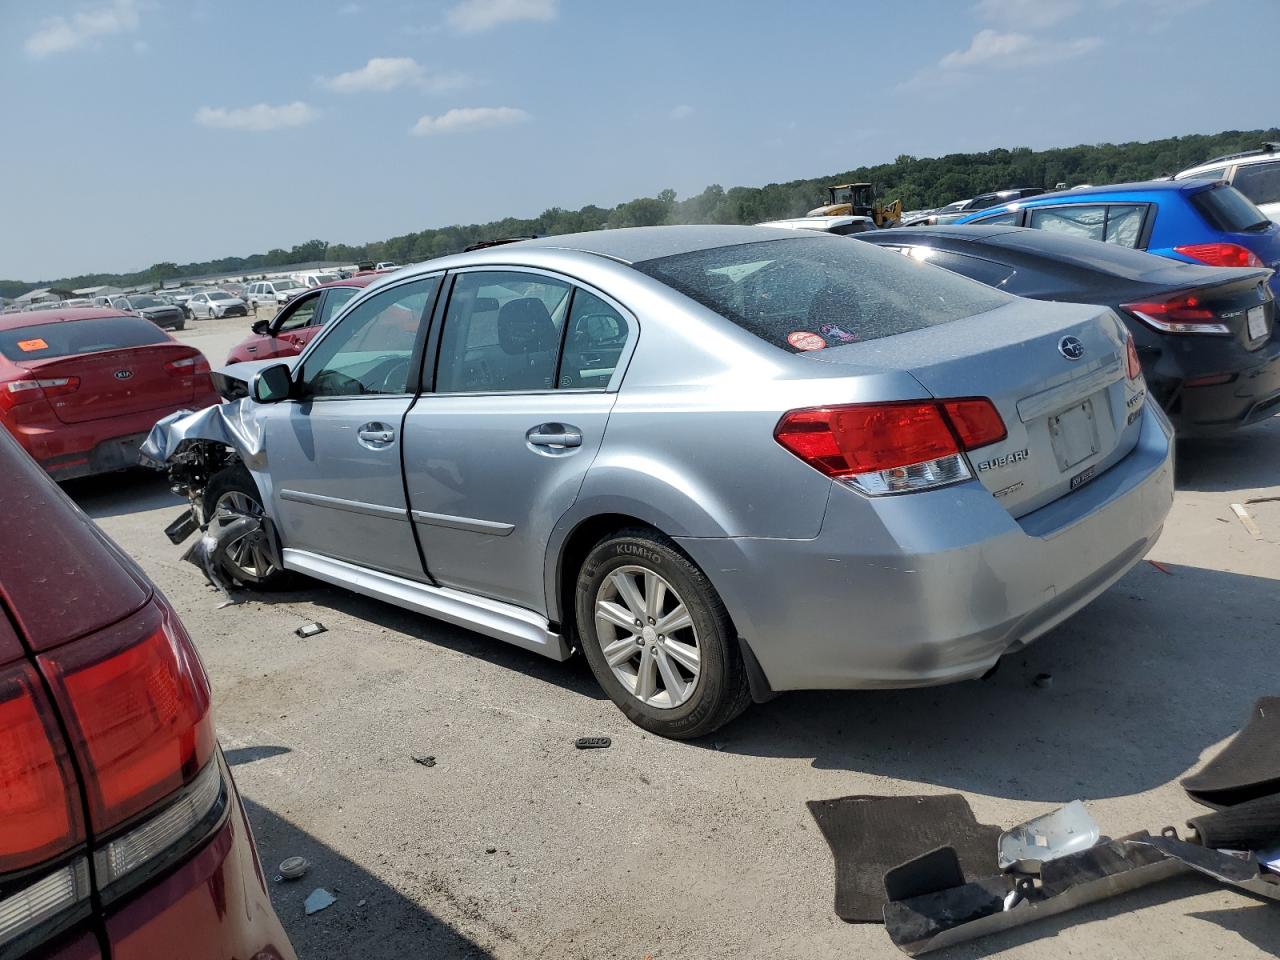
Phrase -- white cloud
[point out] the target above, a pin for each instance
(62, 34)
(682, 112)
(466, 119)
(259, 117)
(390, 73)
(1006, 50)
(1027, 14)
(474, 16)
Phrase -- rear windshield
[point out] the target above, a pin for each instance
(809, 293)
(44, 340)
(1228, 209)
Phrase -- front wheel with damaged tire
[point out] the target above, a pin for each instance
(657, 636)
(250, 558)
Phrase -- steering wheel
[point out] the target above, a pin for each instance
(397, 375)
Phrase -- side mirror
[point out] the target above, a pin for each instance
(272, 384)
(260, 326)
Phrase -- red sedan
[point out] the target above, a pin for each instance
(122, 834)
(80, 388)
(299, 321)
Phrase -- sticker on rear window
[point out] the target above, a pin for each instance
(805, 340)
(839, 335)
(31, 346)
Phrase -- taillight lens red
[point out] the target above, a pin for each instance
(39, 801)
(1220, 254)
(136, 700)
(863, 438)
(17, 393)
(1181, 313)
(188, 366)
(1131, 357)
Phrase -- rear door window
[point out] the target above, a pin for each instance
(1124, 224)
(44, 340)
(1086, 221)
(1229, 210)
(593, 344)
(804, 294)
(1260, 182)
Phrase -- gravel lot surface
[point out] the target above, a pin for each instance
(516, 845)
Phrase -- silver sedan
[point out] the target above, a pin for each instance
(722, 462)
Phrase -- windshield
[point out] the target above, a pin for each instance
(326, 277)
(287, 284)
(808, 293)
(219, 295)
(44, 340)
(139, 303)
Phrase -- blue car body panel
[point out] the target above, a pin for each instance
(1173, 221)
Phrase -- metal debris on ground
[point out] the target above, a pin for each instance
(311, 629)
(291, 868)
(1160, 566)
(319, 899)
(592, 743)
(425, 761)
(1239, 510)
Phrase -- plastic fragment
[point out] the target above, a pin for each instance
(319, 899)
(311, 629)
(425, 761)
(592, 743)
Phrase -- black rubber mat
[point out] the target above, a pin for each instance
(1248, 767)
(869, 836)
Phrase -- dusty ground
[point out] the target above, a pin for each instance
(706, 850)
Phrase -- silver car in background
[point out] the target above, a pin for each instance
(721, 461)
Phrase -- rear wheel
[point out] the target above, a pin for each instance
(232, 493)
(658, 637)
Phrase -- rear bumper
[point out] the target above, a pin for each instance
(70, 450)
(1251, 394)
(213, 907)
(932, 588)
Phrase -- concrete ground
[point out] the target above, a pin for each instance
(516, 845)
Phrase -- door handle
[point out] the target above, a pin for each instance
(376, 435)
(559, 435)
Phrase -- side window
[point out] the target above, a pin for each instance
(501, 333)
(334, 300)
(1217, 173)
(1001, 219)
(1260, 182)
(1086, 221)
(298, 314)
(597, 335)
(371, 350)
(1124, 224)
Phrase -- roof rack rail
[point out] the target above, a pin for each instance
(485, 244)
(1269, 146)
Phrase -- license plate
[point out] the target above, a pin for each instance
(1074, 435)
(1257, 323)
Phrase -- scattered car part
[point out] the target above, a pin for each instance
(312, 629)
(424, 761)
(1246, 521)
(291, 868)
(592, 743)
(870, 836)
(319, 899)
(184, 526)
(1247, 767)
(1066, 830)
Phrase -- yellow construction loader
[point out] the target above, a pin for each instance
(858, 200)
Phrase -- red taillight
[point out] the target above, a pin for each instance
(188, 366)
(880, 445)
(1220, 254)
(15, 393)
(1182, 313)
(1131, 356)
(39, 801)
(136, 701)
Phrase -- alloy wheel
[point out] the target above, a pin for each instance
(647, 637)
(246, 556)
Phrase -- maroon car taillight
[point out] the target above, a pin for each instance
(136, 702)
(899, 447)
(17, 393)
(188, 366)
(1181, 313)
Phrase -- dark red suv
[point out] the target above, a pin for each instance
(122, 836)
(298, 321)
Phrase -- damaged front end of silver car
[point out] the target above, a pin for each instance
(193, 447)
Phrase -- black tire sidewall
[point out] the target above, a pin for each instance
(717, 645)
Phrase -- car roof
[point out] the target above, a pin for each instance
(636, 244)
(360, 280)
(14, 321)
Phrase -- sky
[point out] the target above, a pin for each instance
(142, 131)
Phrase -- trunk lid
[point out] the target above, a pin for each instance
(113, 383)
(1068, 420)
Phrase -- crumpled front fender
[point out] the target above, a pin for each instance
(233, 425)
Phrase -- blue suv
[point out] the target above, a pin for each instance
(1196, 221)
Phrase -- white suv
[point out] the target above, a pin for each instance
(1255, 173)
(273, 291)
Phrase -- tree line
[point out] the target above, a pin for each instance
(920, 182)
